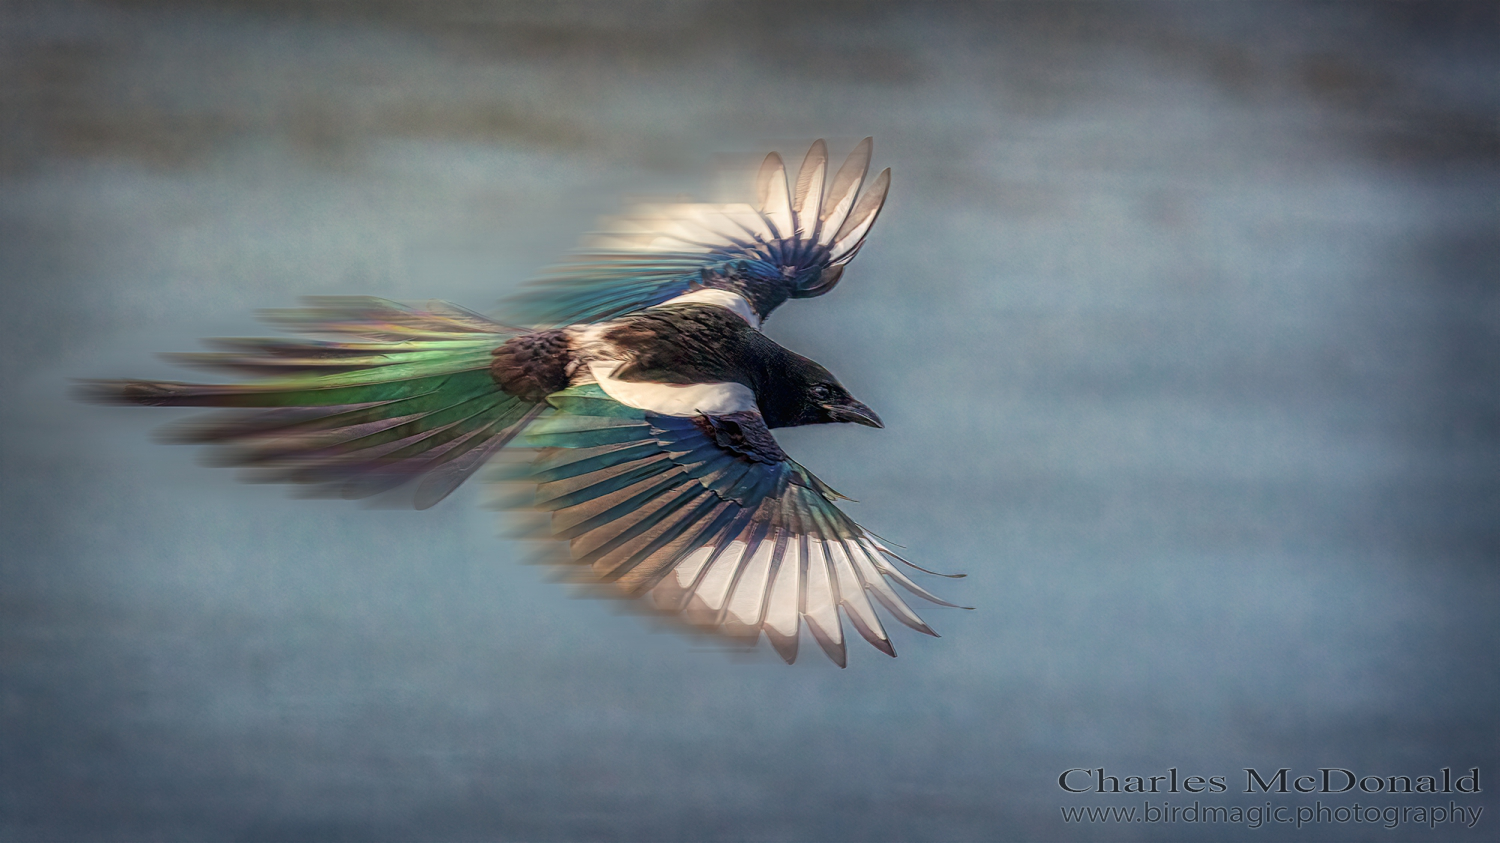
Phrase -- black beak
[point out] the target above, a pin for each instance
(854, 411)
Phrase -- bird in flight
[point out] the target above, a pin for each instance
(645, 387)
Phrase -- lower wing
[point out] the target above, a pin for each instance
(708, 520)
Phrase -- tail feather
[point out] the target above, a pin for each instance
(394, 423)
(412, 398)
(283, 358)
(461, 462)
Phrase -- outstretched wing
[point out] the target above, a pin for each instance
(710, 521)
(793, 243)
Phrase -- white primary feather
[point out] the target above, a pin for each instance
(687, 570)
(821, 606)
(849, 237)
(852, 593)
(713, 589)
(782, 609)
(808, 199)
(775, 200)
(864, 555)
(750, 591)
(841, 194)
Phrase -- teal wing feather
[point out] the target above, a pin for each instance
(653, 507)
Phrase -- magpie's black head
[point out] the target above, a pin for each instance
(828, 401)
(803, 392)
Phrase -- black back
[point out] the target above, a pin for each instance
(694, 343)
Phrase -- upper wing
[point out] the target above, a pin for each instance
(708, 518)
(793, 243)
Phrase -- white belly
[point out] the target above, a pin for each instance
(671, 399)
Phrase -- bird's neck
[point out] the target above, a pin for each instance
(772, 373)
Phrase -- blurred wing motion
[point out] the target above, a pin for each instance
(794, 243)
(404, 394)
(707, 518)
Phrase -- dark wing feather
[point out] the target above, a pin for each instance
(793, 243)
(733, 543)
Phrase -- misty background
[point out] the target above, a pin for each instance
(1183, 320)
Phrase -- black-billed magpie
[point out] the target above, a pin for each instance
(643, 382)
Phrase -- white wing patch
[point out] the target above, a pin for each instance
(779, 583)
(810, 211)
(733, 302)
(672, 399)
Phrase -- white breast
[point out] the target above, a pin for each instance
(671, 399)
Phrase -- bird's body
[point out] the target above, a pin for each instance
(647, 388)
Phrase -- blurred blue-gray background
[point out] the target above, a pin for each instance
(1183, 318)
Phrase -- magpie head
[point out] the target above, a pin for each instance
(828, 401)
(793, 390)
(810, 394)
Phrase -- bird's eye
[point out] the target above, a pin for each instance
(821, 392)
